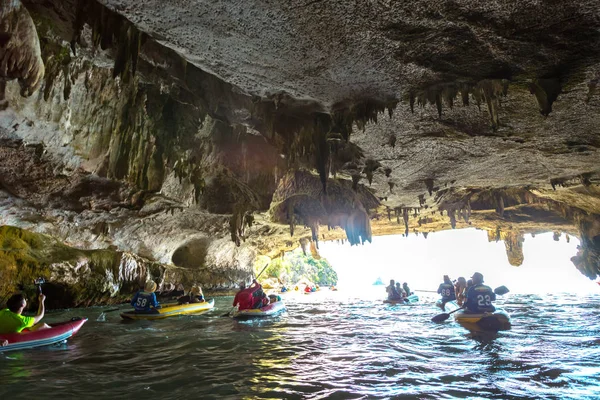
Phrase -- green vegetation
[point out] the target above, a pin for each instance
(296, 266)
(74, 276)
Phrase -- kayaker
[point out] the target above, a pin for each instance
(446, 289)
(12, 320)
(479, 296)
(244, 299)
(195, 296)
(274, 298)
(406, 289)
(400, 290)
(145, 301)
(259, 296)
(460, 290)
(392, 292)
(262, 300)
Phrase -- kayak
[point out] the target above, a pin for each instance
(498, 320)
(448, 307)
(171, 311)
(57, 333)
(267, 311)
(412, 299)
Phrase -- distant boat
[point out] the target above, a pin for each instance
(378, 282)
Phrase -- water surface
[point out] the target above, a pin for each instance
(327, 345)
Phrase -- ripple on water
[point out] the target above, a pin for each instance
(322, 347)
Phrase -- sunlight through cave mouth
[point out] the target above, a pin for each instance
(546, 265)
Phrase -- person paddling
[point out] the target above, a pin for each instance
(244, 299)
(479, 296)
(392, 292)
(406, 289)
(195, 296)
(446, 289)
(12, 320)
(144, 301)
(460, 290)
(400, 290)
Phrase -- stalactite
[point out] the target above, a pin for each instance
(429, 185)
(451, 214)
(500, 206)
(304, 245)
(355, 180)
(392, 140)
(546, 91)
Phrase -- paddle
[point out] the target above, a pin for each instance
(500, 290)
(257, 276)
(444, 316)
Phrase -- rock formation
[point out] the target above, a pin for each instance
(198, 135)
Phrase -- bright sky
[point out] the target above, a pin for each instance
(422, 262)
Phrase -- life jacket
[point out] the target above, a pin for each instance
(447, 291)
(479, 299)
(244, 300)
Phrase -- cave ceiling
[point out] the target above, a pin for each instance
(336, 54)
(485, 112)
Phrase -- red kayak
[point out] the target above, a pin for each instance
(57, 333)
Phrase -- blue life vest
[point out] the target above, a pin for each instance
(143, 301)
(479, 299)
(447, 292)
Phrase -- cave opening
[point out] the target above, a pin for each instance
(546, 266)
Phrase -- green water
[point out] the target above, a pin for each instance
(326, 345)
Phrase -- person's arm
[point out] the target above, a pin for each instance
(41, 309)
(154, 302)
(135, 296)
(440, 289)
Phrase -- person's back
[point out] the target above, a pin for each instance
(406, 289)
(145, 301)
(399, 291)
(446, 289)
(244, 299)
(479, 296)
(391, 290)
(460, 290)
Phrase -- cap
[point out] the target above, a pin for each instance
(477, 276)
(150, 286)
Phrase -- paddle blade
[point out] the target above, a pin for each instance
(500, 290)
(440, 317)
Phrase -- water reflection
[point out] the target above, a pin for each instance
(327, 345)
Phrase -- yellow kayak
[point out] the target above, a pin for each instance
(171, 311)
(498, 320)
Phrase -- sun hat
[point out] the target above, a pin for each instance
(150, 286)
